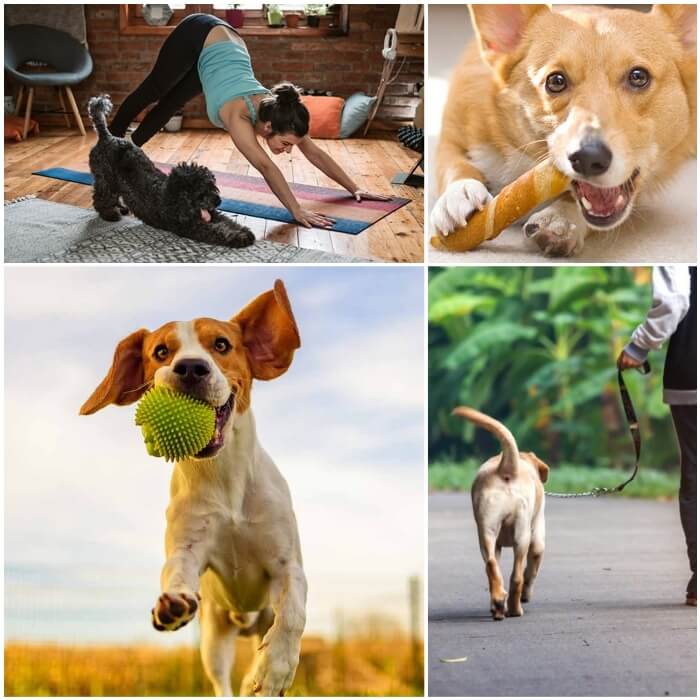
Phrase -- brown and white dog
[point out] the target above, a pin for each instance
(608, 95)
(231, 541)
(508, 502)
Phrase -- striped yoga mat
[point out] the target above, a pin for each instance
(250, 196)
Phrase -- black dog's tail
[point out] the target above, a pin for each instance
(99, 109)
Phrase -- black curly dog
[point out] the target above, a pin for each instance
(183, 202)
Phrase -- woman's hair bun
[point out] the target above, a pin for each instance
(287, 94)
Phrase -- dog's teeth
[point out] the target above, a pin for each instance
(586, 204)
(619, 201)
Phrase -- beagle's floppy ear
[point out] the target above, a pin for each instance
(270, 333)
(124, 381)
(542, 468)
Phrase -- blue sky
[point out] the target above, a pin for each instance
(84, 503)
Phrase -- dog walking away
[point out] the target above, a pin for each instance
(609, 95)
(184, 202)
(508, 502)
(231, 541)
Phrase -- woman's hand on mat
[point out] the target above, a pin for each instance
(625, 361)
(361, 194)
(311, 219)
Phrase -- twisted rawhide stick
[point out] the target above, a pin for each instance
(536, 186)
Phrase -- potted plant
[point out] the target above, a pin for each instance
(157, 15)
(314, 13)
(275, 18)
(292, 19)
(235, 16)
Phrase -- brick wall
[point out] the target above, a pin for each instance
(341, 64)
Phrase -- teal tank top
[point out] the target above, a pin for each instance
(226, 73)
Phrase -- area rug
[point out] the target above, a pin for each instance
(251, 196)
(40, 231)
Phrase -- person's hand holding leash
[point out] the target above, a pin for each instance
(626, 361)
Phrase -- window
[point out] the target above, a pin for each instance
(333, 19)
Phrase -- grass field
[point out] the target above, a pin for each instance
(360, 666)
(649, 483)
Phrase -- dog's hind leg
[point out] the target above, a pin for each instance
(217, 646)
(262, 624)
(105, 199)
(534, 558)
(521, 545)
(487, 542)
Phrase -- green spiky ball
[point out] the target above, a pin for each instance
(174, 425)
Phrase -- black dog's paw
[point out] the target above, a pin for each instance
(111, 215)
(242, 238)
(226, 231)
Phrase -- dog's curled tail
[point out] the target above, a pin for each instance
(508, 468)
(99, 108)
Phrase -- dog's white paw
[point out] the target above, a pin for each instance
(457, 203)
(555, 233)
(274, 670)
(174, 610)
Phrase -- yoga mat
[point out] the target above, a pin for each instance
(250, 196)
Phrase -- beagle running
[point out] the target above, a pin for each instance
(231, 541)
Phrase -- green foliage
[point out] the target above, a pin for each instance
(566, 478)
(535, 347)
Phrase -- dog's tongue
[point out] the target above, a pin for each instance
(604, 201)
(206, 216)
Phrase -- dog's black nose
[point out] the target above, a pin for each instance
(192, 370)
(593, 158)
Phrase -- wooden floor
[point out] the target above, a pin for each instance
(370, 162)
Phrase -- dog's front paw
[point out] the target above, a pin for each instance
(174, 610)
(274, 670)
(241, 238)
(110, 214)
(457, 203)
(555, 234)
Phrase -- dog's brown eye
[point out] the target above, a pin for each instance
(161, 352)
(222, 345)
(638, 78)
(556, 82)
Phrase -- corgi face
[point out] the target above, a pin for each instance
(610, 93)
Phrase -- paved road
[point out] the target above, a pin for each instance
(607, 616)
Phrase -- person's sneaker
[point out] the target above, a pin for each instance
(692, 599)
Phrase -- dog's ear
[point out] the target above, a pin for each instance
(124, 381)
(500, 29)
(684, 19)
(270, 333)
(542, 468)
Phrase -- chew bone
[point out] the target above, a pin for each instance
(536, 186)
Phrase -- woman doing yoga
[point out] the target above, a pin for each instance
(203, 54)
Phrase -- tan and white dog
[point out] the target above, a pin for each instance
(508, 502)
(231, 542)
(608, 95)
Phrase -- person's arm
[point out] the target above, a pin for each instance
(670, 303)
(319, 158)
(241, 132)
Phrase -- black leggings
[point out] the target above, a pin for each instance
(685, 423)
(172, 82)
